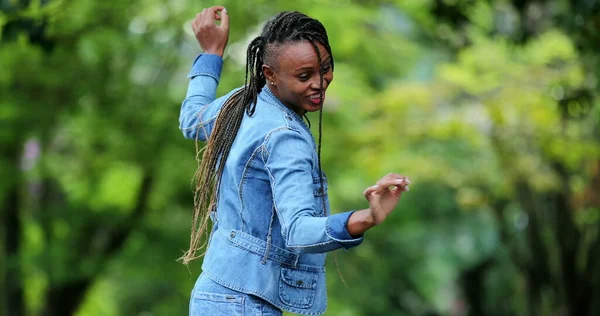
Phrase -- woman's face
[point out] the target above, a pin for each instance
(295, 76)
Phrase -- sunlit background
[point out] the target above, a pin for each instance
(490, 107)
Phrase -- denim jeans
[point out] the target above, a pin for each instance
(212, 299)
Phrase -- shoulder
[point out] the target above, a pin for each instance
(288, 142)
(231, 93)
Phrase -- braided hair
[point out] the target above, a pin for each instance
(284, 28)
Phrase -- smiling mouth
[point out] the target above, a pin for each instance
(316, 98)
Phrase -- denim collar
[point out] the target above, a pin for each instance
(269, 97)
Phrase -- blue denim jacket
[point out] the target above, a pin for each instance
(270, 231)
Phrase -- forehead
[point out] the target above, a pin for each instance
(300, 54)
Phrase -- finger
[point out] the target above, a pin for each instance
(386, 182)
(370, 190)
(376, 189)
(394, 182)
(224, 19)
(399, 176)
(214, 12)
(393, 179)
(397, 191)
(390, 176)
(216, 8)
(196, 21)
(197, 17)
(206, 19)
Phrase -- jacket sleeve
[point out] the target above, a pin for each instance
(200, 109)
(289, 162)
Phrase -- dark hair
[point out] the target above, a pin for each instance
(284, 28)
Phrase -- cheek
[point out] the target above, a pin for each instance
(291, 91)
(296, 89)
(329, 76)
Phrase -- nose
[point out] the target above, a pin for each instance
(316, 84)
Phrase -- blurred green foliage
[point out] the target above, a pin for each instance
(490, 107)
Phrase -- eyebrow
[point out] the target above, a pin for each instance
(328, 59)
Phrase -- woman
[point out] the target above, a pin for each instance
(260, 178)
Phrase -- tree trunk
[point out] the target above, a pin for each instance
(14, 304)
(66, 298)
(472, 281)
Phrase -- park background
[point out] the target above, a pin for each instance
(490, 107)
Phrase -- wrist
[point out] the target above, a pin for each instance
(218, 52)
(359, 222)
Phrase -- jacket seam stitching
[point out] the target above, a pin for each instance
(200, 124)
(261, 295)
(242, 182)
(208, 74)
(205, 122)
(272, 190)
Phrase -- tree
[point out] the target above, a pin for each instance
(496, 123)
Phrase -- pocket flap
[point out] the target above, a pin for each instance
(298, 278)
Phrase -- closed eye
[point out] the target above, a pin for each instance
(304, 77)
(325, 69)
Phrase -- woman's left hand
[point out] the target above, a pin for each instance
(384, 196)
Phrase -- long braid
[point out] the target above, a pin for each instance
(286, 27)
(216, 151)
(319, 146)
(320, 122)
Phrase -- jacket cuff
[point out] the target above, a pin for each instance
(336, 229)
(208, 65)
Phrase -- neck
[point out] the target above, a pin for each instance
(296, 109)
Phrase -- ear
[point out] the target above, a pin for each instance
(269, 74)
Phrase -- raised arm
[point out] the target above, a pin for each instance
(198, 110)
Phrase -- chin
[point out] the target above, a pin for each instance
(312, 107)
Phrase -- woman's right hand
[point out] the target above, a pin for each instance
(212, 37)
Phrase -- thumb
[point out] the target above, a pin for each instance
(224, 19)
(367, 192)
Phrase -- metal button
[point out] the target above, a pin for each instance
(299, 282)
(232, 235)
